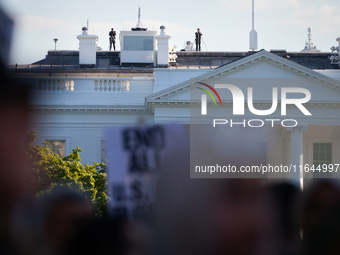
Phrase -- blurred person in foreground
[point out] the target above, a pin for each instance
(15, 177)
(59, 215)
(284, 198)
(14, 181)
(320, 219)
(213, 216)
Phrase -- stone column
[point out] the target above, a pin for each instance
(296, 154)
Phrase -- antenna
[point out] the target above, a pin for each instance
(309, 37)
(253, 33)
(253, 17)
(139, 26)
(139, 14)
(309, 46)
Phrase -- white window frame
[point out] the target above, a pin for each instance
(311, 142)
(67, 140)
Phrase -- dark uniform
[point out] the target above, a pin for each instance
(198, 36)
(112, 38)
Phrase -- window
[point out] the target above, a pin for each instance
(57, 147)
(322, 154)
(138, 43)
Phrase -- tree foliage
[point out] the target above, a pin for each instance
(48, 169)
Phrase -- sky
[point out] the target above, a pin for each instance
(225, 24)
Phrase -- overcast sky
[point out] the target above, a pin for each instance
(225, 24)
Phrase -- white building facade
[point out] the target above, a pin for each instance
(75, 106)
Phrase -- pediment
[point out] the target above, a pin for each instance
(262, 71)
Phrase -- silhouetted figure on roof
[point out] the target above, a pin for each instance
(198, 37)
(112, 39)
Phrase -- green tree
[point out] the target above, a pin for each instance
(48, 169)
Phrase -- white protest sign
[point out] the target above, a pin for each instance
(135, 156)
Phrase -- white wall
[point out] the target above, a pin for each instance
(83, 129)
(167, 77)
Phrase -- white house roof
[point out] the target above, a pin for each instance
(271, 58)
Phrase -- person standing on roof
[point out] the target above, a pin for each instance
(198, 36)
(112, 39)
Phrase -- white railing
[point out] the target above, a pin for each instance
(112, 85)
(94, 84)
(55, 85)
(84, 84)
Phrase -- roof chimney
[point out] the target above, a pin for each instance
(162, 48)
(87, 48)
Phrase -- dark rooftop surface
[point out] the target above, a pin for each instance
(318, 60)
(109, 61)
